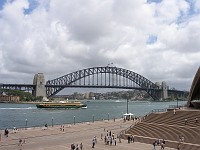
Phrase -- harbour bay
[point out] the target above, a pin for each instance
(28, 115)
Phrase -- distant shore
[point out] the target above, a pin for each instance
(37, 102)
(21, 102)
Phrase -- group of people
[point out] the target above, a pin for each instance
(62, 128)
(160, 143)
(134, 118)
(186, 120)
(196, 120)
(21, 142)
(131, 139)
(110, 138)
(181, 140)
(76, 146)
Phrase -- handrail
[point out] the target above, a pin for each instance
(176, 106)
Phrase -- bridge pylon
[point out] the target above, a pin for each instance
(40, 89)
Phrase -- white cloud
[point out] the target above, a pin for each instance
(169, 11)
(61, 36)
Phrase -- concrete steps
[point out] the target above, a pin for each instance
(169, 127)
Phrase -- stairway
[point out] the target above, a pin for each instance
(170, 127)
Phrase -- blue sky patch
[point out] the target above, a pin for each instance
(2, 2)
(154, 1)
(152, 39)
(192, 9)
(184, 17)
(32, 5)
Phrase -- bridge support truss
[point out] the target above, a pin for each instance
(103, 77)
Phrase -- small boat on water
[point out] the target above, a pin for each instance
(62, 104)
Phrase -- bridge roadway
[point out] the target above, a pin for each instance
(52, 138)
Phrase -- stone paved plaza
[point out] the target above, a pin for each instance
(54, 139)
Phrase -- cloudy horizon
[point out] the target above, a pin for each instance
(158, 39)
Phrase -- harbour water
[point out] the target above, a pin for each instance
(27, 115)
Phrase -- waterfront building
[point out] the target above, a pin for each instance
(9, 98)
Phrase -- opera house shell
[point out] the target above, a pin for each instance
(194, 96)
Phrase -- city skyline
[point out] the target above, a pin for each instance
(158, 39)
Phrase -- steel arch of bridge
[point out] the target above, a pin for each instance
(102, 77)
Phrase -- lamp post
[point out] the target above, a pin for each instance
(108, 116)
(93, 118)
(127, 106)
(74, 120)
(177, 101)
(26, 122)
(52, 121)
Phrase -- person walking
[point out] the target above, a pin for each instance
(186, 121)
(72, 146)
(129, 139)
(119, 138)
(77, 147)
(162, 146)
(95, 139)
(132, 138)
(178, 146)
(6, 132)
(20, 142)
(113, 136)
(154, 145)
(93, 143)
(115, 140)
(81, 146)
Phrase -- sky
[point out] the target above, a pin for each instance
(158, 39)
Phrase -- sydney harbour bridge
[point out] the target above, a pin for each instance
(95, 77)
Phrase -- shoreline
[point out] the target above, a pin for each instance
(68, 125)
(139, 101)
(22, 102)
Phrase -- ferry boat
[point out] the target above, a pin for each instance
(62, 104)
